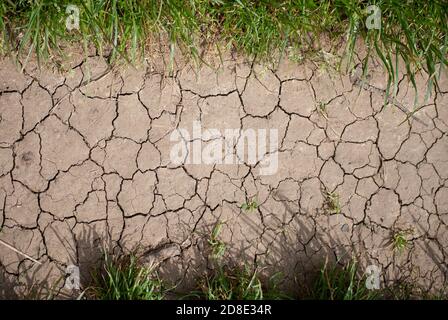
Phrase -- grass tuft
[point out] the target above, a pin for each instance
(332, 203)
(340, 283)
(123, 278)
(251, 205)
(217, 246)
(231, 284)
(399, 241)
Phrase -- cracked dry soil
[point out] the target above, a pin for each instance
(85, 163)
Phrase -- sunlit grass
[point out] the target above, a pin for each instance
(336, 282)
(414, 32)
(231, 284)
(333, 203)
(400, 241)
(123, 278)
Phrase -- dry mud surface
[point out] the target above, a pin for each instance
(85, 163)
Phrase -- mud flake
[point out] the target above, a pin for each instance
(137, 195)
(120, 157)
(37, 104)
(384, 208)
(133, 121)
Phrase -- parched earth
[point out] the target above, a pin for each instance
(85, 164)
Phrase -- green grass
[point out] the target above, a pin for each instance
(322, 109)
(415, 31)
(231, 284)
(333, 203)
(340, 283)
(251, 205)
(399, 241)
(123, 278)
(218, 248)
